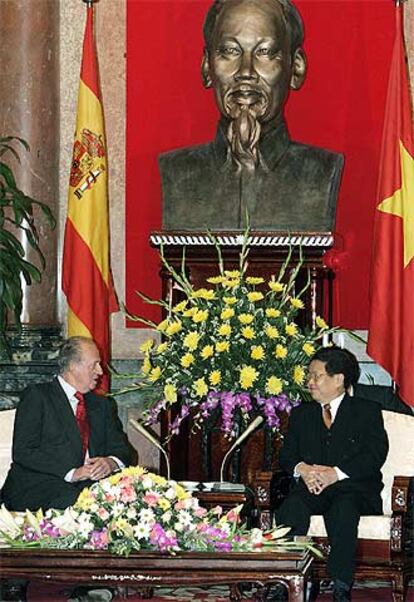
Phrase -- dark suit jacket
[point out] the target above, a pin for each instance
(47, 443)
(296, 190)
(357, 443)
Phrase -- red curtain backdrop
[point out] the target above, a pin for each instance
(340, 107)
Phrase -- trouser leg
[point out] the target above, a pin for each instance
(297, 509)
(341, 521)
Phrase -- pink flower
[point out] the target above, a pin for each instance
(102, 513)
(109, 498)
(200, 512)
(151, 499)
(128, 494)
(179, 505)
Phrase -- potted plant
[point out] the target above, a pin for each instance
(17, 220)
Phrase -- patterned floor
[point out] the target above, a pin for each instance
(378, 592)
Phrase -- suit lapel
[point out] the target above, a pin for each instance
(66, 417)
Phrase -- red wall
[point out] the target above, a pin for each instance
(340, 107)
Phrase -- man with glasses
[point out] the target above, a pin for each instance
(335, 447)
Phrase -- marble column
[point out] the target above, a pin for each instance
(29, 108)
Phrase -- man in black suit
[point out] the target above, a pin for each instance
(51, 464)
(65, 439)
(335, 446)
(253, 57)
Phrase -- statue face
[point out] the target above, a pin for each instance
(249, 63)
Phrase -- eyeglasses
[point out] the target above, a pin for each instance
(315, 376)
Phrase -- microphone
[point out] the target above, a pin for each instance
(222, 485)
(143, 431)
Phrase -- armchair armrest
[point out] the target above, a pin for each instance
(402, 494)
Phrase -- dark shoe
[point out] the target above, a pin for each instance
(13, 592)
(88, 594)
(276, 593)
(341, 593)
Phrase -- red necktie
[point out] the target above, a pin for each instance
(82, 420)
(327, 415)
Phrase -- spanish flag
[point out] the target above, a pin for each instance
(86, 275)
(391, 328)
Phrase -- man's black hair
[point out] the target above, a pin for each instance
(339, 361)
(292, 18)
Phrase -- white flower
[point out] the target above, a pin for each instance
(117, 509)
(147, 482)
(66, 522)
(171, 493)
(166, 517)
(256, 536)
(147, 515)
(185, 517)
(142, 531)
(8, 524)
(131, 512)
(85, 525)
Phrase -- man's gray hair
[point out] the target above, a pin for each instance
(292, 18)
(70, 351)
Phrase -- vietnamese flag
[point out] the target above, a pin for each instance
(86, 277)
(391, 327)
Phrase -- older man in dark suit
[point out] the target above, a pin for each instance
(65, 438)
(335, 446)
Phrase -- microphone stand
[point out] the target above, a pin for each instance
(143, 431)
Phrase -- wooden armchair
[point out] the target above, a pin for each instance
(385, 543)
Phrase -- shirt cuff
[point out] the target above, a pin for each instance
(120, 464)
(340, 474)
(69, 475)
(295, 470)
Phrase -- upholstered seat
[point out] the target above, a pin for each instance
(385, 543)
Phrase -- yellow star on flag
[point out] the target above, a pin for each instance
(401, 203)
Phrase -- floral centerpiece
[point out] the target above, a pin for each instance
(234, 347)
(137, 510)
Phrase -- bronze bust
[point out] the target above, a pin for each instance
(253, 56)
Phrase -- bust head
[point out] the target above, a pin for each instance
(253, 56)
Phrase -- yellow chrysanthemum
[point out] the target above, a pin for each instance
(162, 347)
(257, 352)
(200, 316)
(187, 360)
(296, 303)
(155, 374)
(146, 366)
(204, 293)
(215, 279)
(231, 283)
(191, 340)
(162, 326)
(189, 313)
(180, 306)
(246, 319)
(85, 500)
(170, 393)
(274, 385)
(281, 352)
(299, 375)
(200, 387)
(207, 351)
(164, 504)
(230, 300)
(254, 280)
(254, 296)
(272, 312)
(232, 273)
(224, 330)
(146, 346)
(222, 346)
(320, 323)
(215, 377)
(227, 313)
(276, 287)
(248, 332)
(173, 328)
(248, 375)
(309, 349)
(291, 329)
(272, 332)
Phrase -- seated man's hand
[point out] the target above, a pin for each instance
(100, 467)
(309, 475)
(81, 474)
(324, 476)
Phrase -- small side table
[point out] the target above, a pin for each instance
(228, 500)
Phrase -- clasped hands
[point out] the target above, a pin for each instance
(316, 476)
(95, 469)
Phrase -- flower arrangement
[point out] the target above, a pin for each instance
(137, 510)
(233, 348)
